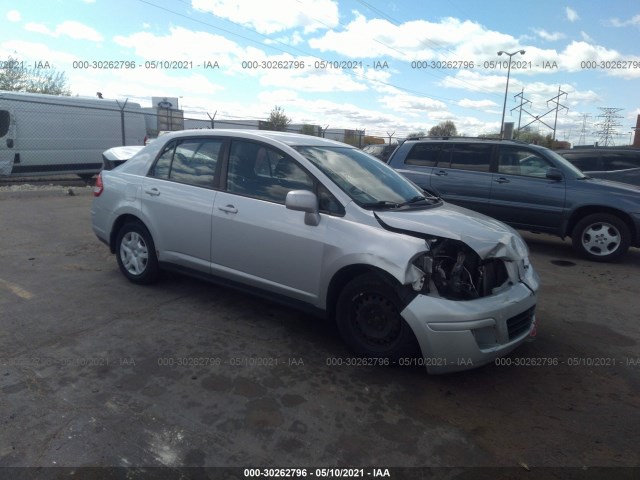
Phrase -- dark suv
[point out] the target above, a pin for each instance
(527, 186)
(621, 165)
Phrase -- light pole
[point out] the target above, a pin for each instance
(504, 107)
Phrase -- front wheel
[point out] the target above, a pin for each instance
(601, 237)
(136, 254)
(369, 320)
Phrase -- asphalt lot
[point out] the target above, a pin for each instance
(96, 371)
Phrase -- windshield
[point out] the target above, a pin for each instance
(369, 182)
(567, 164)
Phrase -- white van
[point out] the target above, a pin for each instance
(48, 134)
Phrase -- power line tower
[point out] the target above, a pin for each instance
(583, 133)
(608, 125)
(556, 100)
(523, 102)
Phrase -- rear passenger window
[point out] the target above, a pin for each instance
(423, 154)
(517, 161)
(471, 157)
(191, 161)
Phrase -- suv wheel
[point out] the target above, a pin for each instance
(369, 320)
(136, 254)
(601, 237)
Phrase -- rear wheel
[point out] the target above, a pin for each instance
(369, 320)
(601, 237)
(136, 254)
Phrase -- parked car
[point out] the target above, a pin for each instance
(528, 187)
(381, 151)
(324, 226)
(620, 165)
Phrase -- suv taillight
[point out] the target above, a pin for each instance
(98, 188)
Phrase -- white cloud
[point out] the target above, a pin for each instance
(550, 37)
(38, 28)
(78, 31)
(14, 16)
(572, 15)
(184, 44)
(447, 39)
(68, 28)
(267, 17)
(585, 36)
(478, 82)
(412, 104)
(477, 104)
(633, 21)
(30, 51)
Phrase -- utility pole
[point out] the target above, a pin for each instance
(124, 138)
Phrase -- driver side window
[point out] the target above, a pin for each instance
(265, 173)
(518, 161)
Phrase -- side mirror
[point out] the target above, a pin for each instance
(304, 201)
(554, 174)
(9, 142)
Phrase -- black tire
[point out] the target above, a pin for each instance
(369, 320)
(136, 254)
(86, 176)
(601, 237)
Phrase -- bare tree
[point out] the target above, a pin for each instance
(16, 77)
(444, 129)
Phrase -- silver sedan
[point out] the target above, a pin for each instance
(321, 225)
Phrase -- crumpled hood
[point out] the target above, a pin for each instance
(489, 238)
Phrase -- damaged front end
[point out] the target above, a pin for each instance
(452, 270)
(470, 292)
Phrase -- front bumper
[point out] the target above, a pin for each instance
(460, 335)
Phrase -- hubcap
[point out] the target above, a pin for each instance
(134, 253)
(376, 320)
(601, 239)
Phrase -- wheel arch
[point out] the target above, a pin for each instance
(117, 225)
(343, 276)
(583, 211)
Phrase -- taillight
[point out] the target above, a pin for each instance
(99, 186)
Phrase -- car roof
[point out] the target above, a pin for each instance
(288, 138)
(476, 140)
(591, 150)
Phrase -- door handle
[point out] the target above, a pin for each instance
(154, 192)
(502, 180)
(228, 209)
(441, 173)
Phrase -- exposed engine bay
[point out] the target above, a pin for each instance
(454, 271)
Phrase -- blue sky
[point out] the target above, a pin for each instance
(588, 49)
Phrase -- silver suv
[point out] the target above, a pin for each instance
(319, 224)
